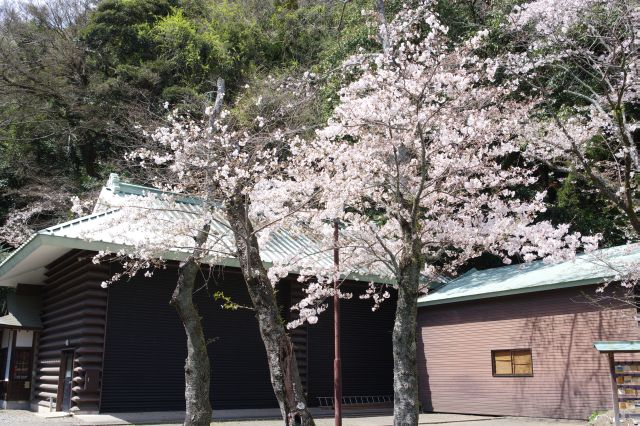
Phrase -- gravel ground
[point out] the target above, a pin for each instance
(21, 417)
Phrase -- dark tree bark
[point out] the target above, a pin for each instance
(405, 370)
(196, 369)
(197, 375)
(283, 366)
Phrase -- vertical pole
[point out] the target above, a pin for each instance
(614, 389)
(337, 362)
(10, 345)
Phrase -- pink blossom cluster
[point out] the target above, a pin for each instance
(421, 137)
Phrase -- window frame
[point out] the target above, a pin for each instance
(511, 351)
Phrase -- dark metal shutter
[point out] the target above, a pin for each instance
(145, 348)
(367, 357)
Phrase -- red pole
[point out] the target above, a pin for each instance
(337, 362)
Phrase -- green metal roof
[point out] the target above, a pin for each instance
(108, 230)
(586, 269)
(618, 346)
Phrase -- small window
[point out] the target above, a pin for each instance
(512, 363)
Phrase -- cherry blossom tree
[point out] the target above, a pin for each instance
(208, 171)
(579, 60)
(420, 164)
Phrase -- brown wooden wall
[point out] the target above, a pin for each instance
(570, 378)
(74, 310)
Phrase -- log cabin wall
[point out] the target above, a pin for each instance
(74, 320)
(570, 378)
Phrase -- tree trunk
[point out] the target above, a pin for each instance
(406, 408)
(89, 157)
(196, 368)
(283, 366)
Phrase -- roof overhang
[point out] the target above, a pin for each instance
(617, 346)
(23, 312)
(511, 292)
(104, 231)
(27, 264)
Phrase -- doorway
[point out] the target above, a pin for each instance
(65, 381)
(20, 380)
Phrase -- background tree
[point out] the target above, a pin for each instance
(579, 71)
(50, 135)
(81, 79)
(582, 72)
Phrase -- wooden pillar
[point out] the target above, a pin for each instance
(614, 389)
(34, 364)
(7, 334)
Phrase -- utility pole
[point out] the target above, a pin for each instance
(337, 362)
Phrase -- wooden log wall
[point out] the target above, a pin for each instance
(74, 318)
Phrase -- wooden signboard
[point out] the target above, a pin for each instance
(627, 380)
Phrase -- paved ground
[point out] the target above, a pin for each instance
(20, 417)
(427, 419)
(23, 417)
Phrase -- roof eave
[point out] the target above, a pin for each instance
(20, 254)
(623, 346)
(511, 292)
(19, 327)
(40, 239)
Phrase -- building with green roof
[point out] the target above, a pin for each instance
(519, 340)
(67, 344)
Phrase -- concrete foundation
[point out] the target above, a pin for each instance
(14, 405)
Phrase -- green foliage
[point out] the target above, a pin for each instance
(593, 416)
(116, 29)
(352, 33)
(75, 94)
(227, 302)
(244, 41)
(586, 211)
